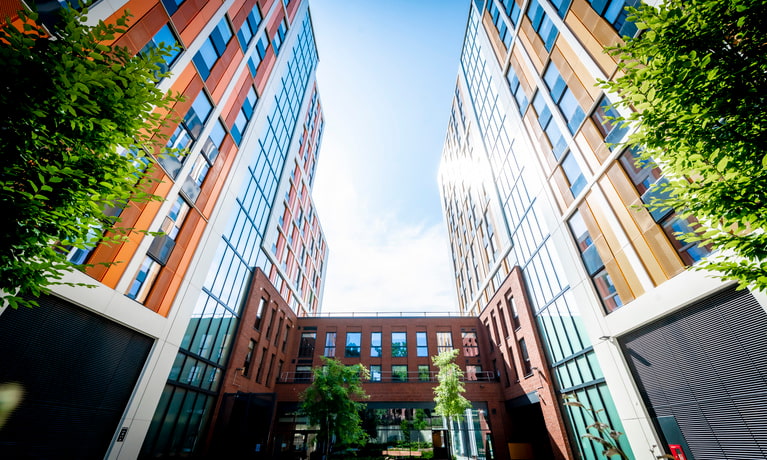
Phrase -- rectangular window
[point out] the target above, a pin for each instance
(166, 38)
(278, 331)
(444, 341)
(646, 177)
(564, 98)
(261, 366)
(614, 12)
(549, 126)
(185, 134)
(213, 143)
(517, 90)
(213, 48)
(279, 36)
(424, 375)
(306, 348)
(260, 313)
(330, 344)
(399, 344)
(270, 370)
(514, 313)
(244, 116)
(303, 374)
(526, 366)
(375, 344)
(249, 27)
(593, 263)
(513, 10)
(375, 373)
(604, 118)
(285, 338)
(470, 346)
(542, 24)
(573, 173)
(353, 340)
(162, 245)
(145, 278)
(399, 373)
(473, 372)
(504, 32)
(172, 5)
(422, 347)
(248, 358)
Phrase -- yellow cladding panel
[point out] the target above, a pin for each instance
(498, 47)
(561, 189)
(575, 73)
(585, 147)
(581, 21)
(533, 44)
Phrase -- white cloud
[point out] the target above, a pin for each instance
(378, 263)
(406, 269)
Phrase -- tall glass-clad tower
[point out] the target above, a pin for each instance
(534, 176)
(146, 348)
(499, 216)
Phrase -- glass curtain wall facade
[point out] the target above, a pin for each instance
(186, 402)
(490, 136)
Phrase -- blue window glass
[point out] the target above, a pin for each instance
(375, 344)
(564, 98)
(262, 46)
(542, 24)
(399, 344)
(279, 37)
(422, 347)
(198, 114)
(513, 11)
(213, 143)
(249, 27)
(593, 263)
(246, 112)
(172, 5)
(213, 48)
(145, 277)
(164, 37)
(353, 340)
(549, 126)
(561, 6)
(604, 117)
(573, 173)
(614, 12)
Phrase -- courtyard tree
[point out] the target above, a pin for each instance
(79, 116)
(332, 403)
(694, 82)
(449, 401)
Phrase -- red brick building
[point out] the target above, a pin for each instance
(515, 414)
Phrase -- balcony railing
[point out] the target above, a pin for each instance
(390, 314)
(392, 377)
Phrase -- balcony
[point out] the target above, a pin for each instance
(392, 377)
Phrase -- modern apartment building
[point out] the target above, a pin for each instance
(536, 185)
(133, 367)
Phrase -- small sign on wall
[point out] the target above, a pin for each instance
(123, 432)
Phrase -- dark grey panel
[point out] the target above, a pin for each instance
(78, 371)
(706, 365)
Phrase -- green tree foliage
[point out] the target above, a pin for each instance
(77, 116)
(697, 78)
(601, 432)
(449, 401)
(448, 395)
(598, 431)
(330, 404)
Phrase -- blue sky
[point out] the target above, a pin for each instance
(386, 77)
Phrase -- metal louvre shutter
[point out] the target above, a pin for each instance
(78, 371)
(706, 365)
